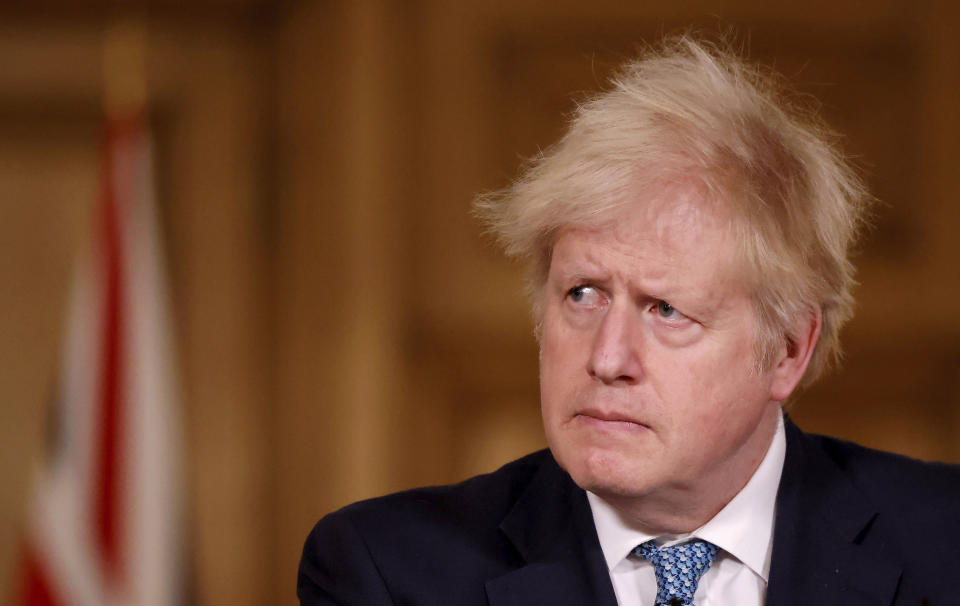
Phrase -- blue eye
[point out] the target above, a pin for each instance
(583, 294)
(666, 310)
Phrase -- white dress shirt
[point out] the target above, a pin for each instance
(743, 530)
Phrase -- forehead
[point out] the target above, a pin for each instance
(675, 217)
(675, 222)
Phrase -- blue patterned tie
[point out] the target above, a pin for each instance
(678, 569)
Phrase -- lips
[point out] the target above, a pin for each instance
(609, 419)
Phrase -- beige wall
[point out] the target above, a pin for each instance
(343, 328)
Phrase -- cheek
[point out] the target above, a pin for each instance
(737, 399)
(554, 371)
(709, 387)
(560, 346)
(562, 365)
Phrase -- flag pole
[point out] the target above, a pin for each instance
(124, 68)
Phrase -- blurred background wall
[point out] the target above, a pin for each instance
(343, 327)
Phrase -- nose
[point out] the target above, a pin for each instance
(615, 357)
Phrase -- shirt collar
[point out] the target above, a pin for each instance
(743, 528)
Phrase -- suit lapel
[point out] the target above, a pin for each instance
(552, 528)
(821, 521)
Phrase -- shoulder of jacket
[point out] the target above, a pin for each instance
(483, 499)
(898, 479)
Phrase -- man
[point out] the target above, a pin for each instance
(688, 241)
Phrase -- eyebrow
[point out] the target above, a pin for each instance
(579, 273)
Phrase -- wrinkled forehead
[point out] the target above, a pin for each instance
(675, 215)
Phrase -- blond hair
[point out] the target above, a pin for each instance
(694, 110)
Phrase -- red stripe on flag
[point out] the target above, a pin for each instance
(108, 463)
(36, 589)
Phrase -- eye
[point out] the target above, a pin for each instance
(584, 295)
(667, 311)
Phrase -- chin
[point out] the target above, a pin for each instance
(604, 472)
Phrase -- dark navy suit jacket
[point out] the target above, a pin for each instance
(853, 527)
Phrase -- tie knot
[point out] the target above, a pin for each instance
(678, 569)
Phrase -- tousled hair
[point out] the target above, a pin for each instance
(690, 110)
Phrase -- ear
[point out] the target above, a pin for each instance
(795, 355)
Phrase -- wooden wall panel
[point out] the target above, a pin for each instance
(213, 113)
(339, 282)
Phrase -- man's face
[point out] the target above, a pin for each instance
(648, 373)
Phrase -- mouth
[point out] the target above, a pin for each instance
(609, 420)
